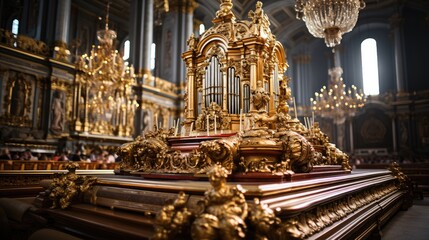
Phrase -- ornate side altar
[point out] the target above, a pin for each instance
(285, 179)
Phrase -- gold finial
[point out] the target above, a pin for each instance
(225, 9)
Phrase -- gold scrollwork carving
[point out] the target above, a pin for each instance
(63, 190)
(225, 214)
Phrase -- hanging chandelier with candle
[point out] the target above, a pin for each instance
(335, 101)
(106, 101)
(329, 19)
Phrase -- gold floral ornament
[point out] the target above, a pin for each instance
(225, 215)
(173, 220)
(66, 188)
(404, 181)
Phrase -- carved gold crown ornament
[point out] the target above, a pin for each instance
(329, 19)
(335, 101)
(105, 100)
(236, 111)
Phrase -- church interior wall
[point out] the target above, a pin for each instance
(308, 59)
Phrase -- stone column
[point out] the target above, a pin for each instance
(301, 81)
(61, 51)
(396, 25)
(176, 30)
(141, 35)
(141, 39)
(177, 27)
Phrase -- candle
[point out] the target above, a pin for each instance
(156, 122)
(312, 118)
(241, 117)
(294, 107)
(215, 127)
(176, 127)
(208, 127)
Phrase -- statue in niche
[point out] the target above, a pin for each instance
(192, 42)
(18, 97)
(146, 122)
(58, 112)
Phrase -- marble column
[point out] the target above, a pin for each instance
(301, 80)
(61, 51)
(141, 39)
(177, 27)
(141, 35)
(396, 25)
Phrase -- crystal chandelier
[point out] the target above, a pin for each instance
(335, 102)
(329, 19)
(106, 82)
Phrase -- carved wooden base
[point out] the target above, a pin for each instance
(343, 206)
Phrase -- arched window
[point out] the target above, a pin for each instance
(152, 56)
(202, 29)
(126, 50)
(370, 66)
(15, 26)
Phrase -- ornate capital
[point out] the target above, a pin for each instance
(184, 6)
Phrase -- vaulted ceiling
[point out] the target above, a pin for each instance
(288, 30)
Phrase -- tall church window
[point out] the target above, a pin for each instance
(201, 29)
(213, 83)
(126, 50)
(233, 89)
(152, 56)
(370, 67)
(15, 26)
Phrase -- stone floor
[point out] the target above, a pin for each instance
(412, 224)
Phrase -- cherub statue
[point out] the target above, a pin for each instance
(192, 42)
(260, 97)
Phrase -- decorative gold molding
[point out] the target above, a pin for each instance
(225, 214)
(23, 42)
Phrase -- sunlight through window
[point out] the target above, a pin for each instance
(126, 50)
(15, 26)
(152, 56)
(202, 29)
(370, 67)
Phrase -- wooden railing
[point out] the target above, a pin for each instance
(417, 172)
(52, 165)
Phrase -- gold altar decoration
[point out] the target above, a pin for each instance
(23, 42)
(104, 102)
(224, 213)
(64, 189)
(236, 111)
(329, 19)
(335, 101)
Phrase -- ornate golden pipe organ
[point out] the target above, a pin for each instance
(236, 98)
(225, 65)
